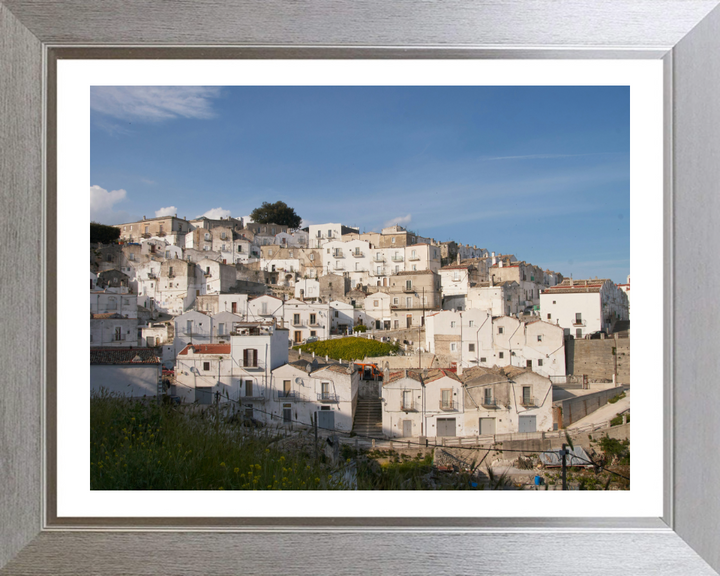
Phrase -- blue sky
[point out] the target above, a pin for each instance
(539, 172)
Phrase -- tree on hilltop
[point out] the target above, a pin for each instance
(100, 233)
(276, 213)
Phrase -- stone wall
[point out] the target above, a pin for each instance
(599, 359)
(573, 409)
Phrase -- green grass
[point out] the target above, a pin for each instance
(350, 348)
(135, 446)
(616, 398)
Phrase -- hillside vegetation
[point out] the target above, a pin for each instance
(350, 348)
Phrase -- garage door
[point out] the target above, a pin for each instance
(527, 424)
(326, 419)
(446, 426)
(487, 426)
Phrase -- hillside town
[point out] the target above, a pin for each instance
(212, 311)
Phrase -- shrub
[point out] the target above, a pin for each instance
(616, 398)
(350, 348)
(360, 328)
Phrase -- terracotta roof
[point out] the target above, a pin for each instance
(431, 375)
(456, 267)
(513, 371)
(339, 368)
(105, 316)
(413, 272)
(206, 349)
(123, 356)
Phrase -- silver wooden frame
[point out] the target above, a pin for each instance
(684, 33)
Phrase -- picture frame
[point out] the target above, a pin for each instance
(684, 34)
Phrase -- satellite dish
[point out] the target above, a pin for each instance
(299, 381)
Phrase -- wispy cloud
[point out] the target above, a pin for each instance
(102, 205)
(167, 211)
(153, 103)
(401, 220)
(546, 156)
(216, 214)
(147, 181)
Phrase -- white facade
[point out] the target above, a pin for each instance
(378, 311)
(319, 234)
(422, 404)
(108, 301)
(307, 289)
(476, 338)
(502, 298)
(192, 327)
(300, 390)
(582, 307)
(306, 320)
(342, 316)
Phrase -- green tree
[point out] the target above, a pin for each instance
(99, 233)
(276, 213)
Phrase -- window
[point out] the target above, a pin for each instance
(336, 313)
(269, 252)
(223, 248)
(248, 387)
(263, 308)
(250, 358)
(452, 324)
(118, 333)
(272, 231)
(501, 354)
(483, 359)
(453, 347)
(239, 247)
(392, 241)
(578, 333)
(540, 362)
(286, 388)
(329, 233)
(132, 256)
(290, 253)
(414, 267)
(456, 275)
(488, 396)
(313, 319)
(554, 302)
(207, 236)
(413, 254)
(397, 269)
(296, 319)
(206, 248)
(379, 270)
(471, 347)
(528, 363)
(408, 302)
(471, 323)
(312, 257)
(376, 303)
(313, 333)
(222, 235)
(549, 316)
(501, 330)
(124, 228)
(221, 329)
(408, 284)
(396, 324)
(407, 399)
(526, 398)
(325, 390)
(206, 366)
(539, 337)
(446, 398)
(578, 318)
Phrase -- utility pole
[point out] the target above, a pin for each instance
(316, 434)
(564, 467)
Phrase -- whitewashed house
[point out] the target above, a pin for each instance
(505, 401)
(223, 325)
(306, 320)
(307, 289)
(304, 391)
(583, 307)
(192, 327)
(133, 373)
(422, 403)
(378, 310)
(342, 317)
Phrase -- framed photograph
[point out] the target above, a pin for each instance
(663, 524)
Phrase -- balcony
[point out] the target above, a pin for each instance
(146, 235)
(339, 266)
(357, 254)
(151, 276)
(379, 258)
(327, 397)
(528, 403)
(489, 403)
(414, 257)
(398, 258)
(291, 396)
(298, 323)
(579, 322)
(376, 272)
(161, 233)
(408, 408)
(408, 289)
(338, 254)
(207, 274)
(254, 398)
(449, 406)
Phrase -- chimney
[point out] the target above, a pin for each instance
(144, 218)
(458, 257)
(405, 372)
(492, 280)
(459, 369)
(500, 263)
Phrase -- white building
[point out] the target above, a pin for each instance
(342, 316)
(127, 372)
(192, 327)
(307, 289)
(378, 310)
(302, 391)
(582, 307)
(306, 320)
(239, 371)
(476, 338)
(427, 403)
(505, 401)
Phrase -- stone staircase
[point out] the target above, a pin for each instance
(368, 418)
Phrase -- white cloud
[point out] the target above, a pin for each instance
(102, 205)
(167, 211)
(216, 214)
(153, 103)
(401, 220)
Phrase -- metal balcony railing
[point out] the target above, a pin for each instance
(448, 406)
(337, 254)
(414, 257)
(327, 397)
(579, 322)
(291, 396)
(408, 408)
(528, 402)
(408, 289)
(253, 398)
(397, 258)
(379, 258)
(489, 403)
(357, 254)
